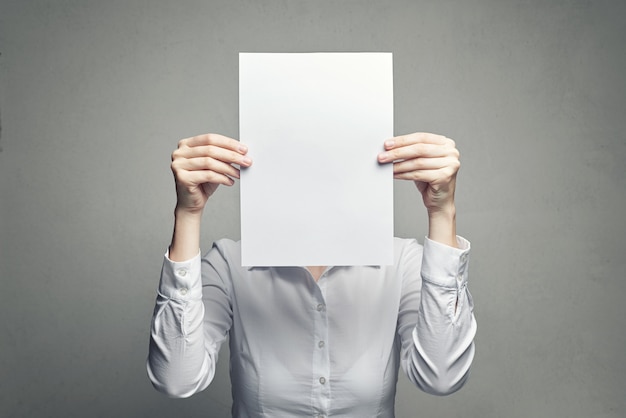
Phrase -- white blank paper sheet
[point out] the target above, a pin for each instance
(314, 124)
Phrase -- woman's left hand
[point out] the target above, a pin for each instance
(431, 161)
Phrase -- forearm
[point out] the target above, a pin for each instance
(442, 226)
(186, 236)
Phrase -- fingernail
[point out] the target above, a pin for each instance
(246, 161)
(383, 156)
(389, 143)
(242, 148)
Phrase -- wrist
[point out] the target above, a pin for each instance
(184, 213)
(442, 212)
(186, 236)
(442, 225)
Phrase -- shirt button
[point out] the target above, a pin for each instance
(321, 344)
(182, 272)
(183, 291)
(322, 380)
(320, 307)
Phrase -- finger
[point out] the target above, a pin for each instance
(208, 163)
(423, 164)
(212, 151)
(417, 150)
(198, 177)
(416, 138)
(215, 140)
(438, 176)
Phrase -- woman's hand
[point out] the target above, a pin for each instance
(201, 163)
(432, 162)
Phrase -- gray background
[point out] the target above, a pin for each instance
(94, 96)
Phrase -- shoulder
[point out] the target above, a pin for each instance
(406, 247)
(408, 258)
(224, 257)
(228, 248)
(222, 263)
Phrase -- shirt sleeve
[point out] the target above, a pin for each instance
(183, 349)
(438, 310)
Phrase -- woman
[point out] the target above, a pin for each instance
(314, 341)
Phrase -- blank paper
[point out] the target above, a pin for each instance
(314, 124)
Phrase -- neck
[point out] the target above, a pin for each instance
(316, 271)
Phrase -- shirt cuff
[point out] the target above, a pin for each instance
(181, 280)
(444, 265)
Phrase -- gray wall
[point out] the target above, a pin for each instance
(95, 94)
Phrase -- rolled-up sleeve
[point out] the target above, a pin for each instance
(441, 350)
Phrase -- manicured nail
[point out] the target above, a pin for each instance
(389, 143)
(246, 161)
(242, 148)
(383, 156)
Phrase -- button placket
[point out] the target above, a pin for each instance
(321, 359)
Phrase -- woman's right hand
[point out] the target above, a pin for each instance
(200, 164)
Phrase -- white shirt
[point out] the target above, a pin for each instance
(301, 348)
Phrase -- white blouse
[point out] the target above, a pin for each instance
(301, 348)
